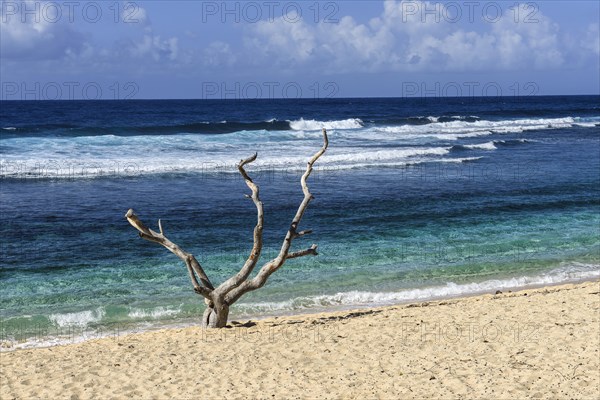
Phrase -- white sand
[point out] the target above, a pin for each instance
(541, 343)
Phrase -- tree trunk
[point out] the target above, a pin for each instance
(215, 317)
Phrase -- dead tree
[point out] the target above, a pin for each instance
(218, 300)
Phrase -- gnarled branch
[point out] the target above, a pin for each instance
(218, 300)
(190, 261)
(267, 269)
(250, 263)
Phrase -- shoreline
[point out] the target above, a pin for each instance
(77, 334)
(307, 312)
(530, 343)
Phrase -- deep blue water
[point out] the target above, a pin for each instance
(415, 198)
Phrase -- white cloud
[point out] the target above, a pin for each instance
(133, 13)
(591, 42)
(398, 40)
(350, 44)
(41, 35)
(272, 39)
(38, 35)
(527, 44)
(149, 45)
(217, 54)
(154, 47)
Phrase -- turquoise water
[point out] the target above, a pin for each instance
(406, 208)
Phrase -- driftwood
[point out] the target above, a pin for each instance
(218, 300)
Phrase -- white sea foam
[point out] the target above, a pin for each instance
(481, 146)
(423, 131)
(99, 168)
(155, 313)
(465, 117)
(77, 319)
(479, 128)
(385, 155)
(572, 273)
(514, 140)
(10, 128)
(50, 341)
(587, 122)
(459, 160)
(314, 125)
(111, 156)
(208, 158)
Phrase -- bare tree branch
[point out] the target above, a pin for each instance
(267, 269)
(190, 261)
(302, 233)
(250, 263)
(312, 250)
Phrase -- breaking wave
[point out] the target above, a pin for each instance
(571, 273)
(77, 319)
(313, 125)
(282, 145)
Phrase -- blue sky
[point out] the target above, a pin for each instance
(273, 49)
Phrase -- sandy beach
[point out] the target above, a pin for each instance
(537, 343)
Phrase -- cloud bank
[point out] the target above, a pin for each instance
(404, 38)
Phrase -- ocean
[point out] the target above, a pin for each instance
(415, 199)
